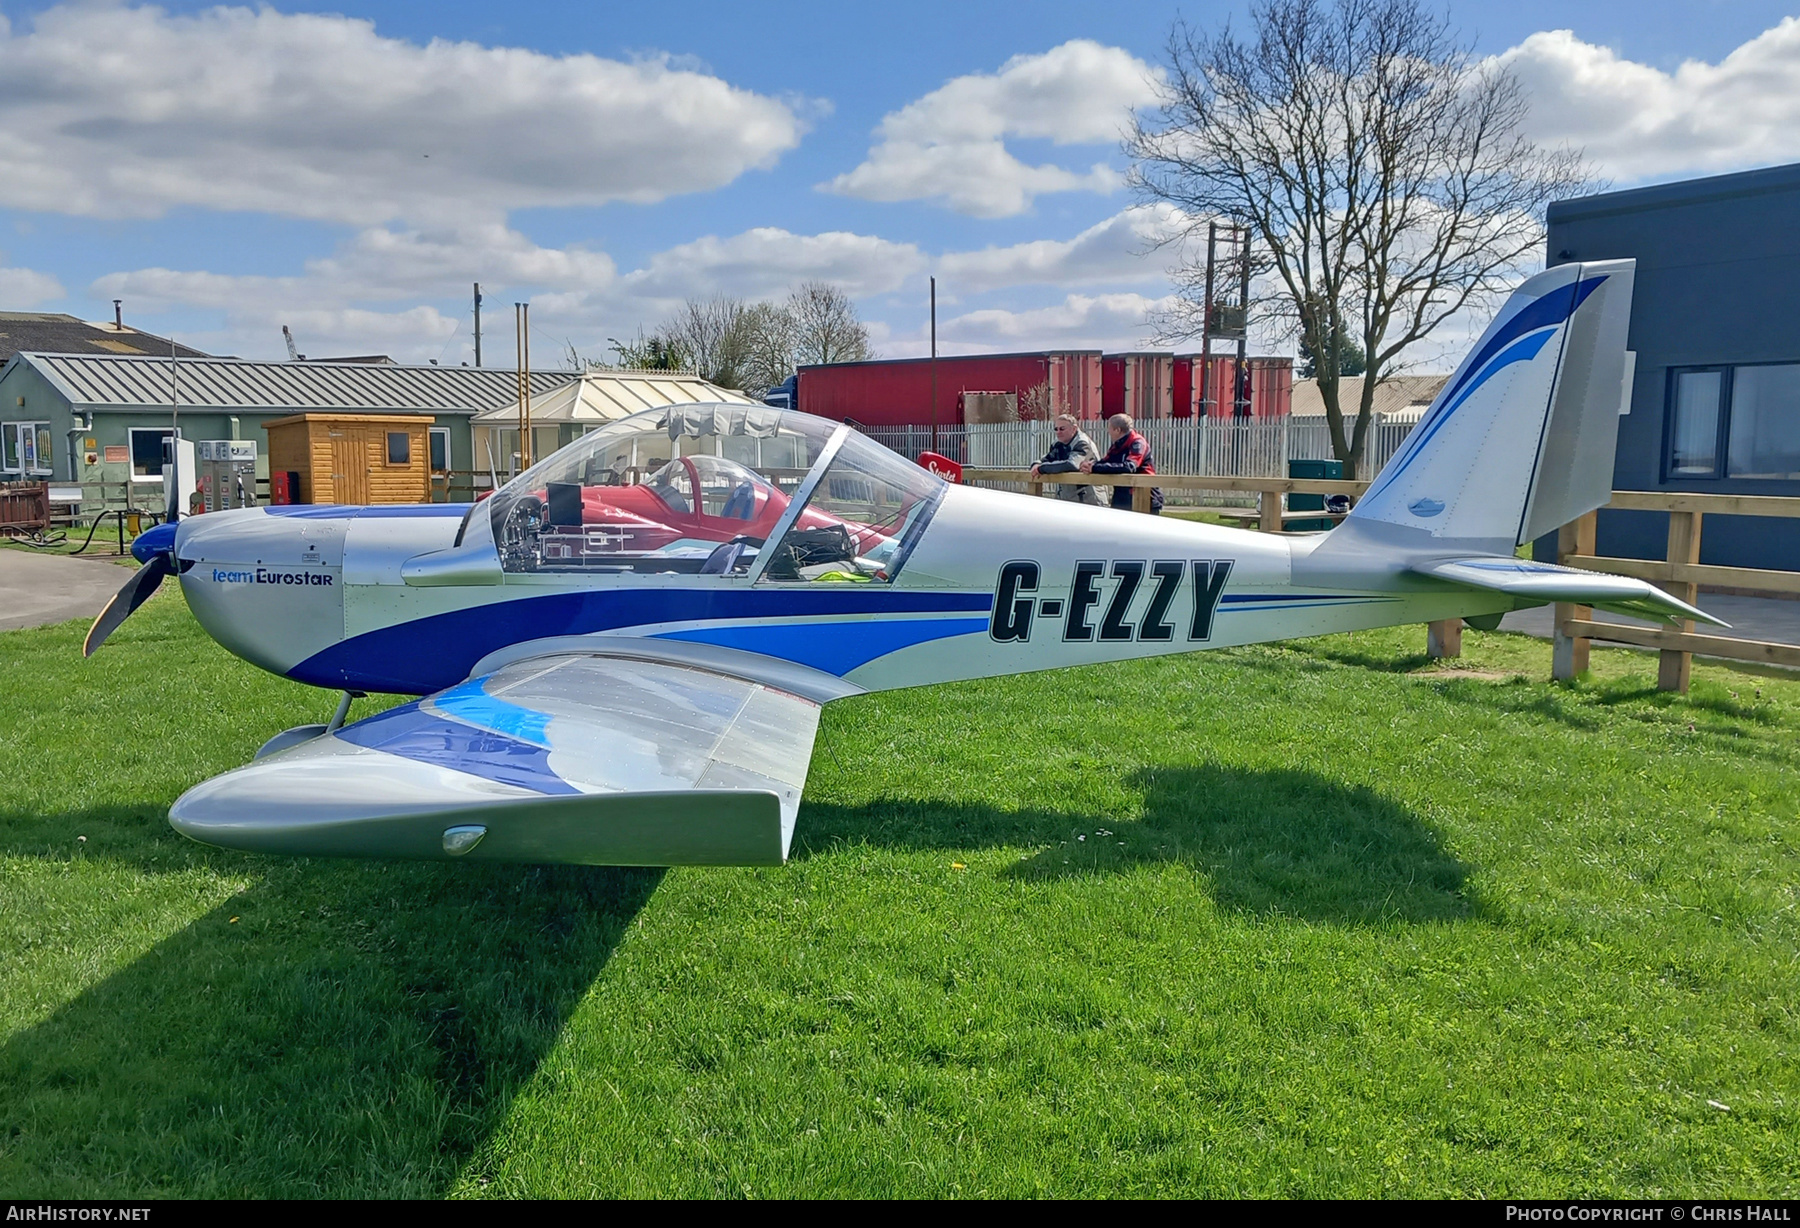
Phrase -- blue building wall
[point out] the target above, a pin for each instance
(1718, 281)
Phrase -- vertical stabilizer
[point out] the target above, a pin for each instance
(1521, 439)
(1574, 472)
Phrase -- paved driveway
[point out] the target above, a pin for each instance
(36, 589)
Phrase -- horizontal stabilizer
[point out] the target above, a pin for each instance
(1546, 582)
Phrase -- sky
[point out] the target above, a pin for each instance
(350, 171)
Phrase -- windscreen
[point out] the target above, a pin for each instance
(686, 489)
(861, 520)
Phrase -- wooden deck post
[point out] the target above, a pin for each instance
(1569, 654)
(1675, 668)
(1269, 506)
(1140, 499)
(1443, 638)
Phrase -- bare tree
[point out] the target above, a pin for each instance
(1380, 166)
(710, 332)
(769, 345)
(826, 328)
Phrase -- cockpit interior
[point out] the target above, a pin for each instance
(705, 489)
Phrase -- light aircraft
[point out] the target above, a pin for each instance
(621, 654)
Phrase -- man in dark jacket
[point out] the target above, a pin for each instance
(1072, 446)
(1130, 453)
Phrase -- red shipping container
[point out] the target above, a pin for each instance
(1271, 386)
(1139, 384)
(897, 392)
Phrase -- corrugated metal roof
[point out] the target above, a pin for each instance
(1400, 398)
(602, 396)
(234, 384)
(52, 332)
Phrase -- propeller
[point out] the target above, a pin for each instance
(155, 549)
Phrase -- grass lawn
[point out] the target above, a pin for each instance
(1311, 919)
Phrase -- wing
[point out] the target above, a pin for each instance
(576, 758)
(1544, 582)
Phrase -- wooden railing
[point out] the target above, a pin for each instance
(1680, 573)
(1269, 514)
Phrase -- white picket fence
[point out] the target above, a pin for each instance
(1208, 447)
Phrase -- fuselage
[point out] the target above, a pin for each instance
(995, 583)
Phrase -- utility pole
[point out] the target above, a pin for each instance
(522, 336)
(934, 403)
(1206, 320)
(1240, 393)
(478, 324)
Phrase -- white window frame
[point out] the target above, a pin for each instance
(433, 433)
(131, 453)
(17, 431)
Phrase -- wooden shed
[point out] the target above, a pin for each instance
(354, 458)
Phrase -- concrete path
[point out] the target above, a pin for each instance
(1751, 618)
(39, 588)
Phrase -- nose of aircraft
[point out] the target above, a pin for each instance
(268, 587)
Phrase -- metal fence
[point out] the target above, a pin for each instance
(1203, 447)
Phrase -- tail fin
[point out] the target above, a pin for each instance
(1521, 439)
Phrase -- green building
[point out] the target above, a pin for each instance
(102, 418)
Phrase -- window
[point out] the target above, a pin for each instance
(25, 447)
(862, 519)
(1694, 428)
(399, 448)
(440, 449)
(147, 452)
(1764, 440)
(1735, 422)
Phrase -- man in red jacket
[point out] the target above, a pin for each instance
(1130, 453)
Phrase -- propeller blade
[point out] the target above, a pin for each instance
(134, 593)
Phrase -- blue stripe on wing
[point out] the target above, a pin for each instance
(471, 703)
(424, 737)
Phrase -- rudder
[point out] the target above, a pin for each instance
(1521, 438)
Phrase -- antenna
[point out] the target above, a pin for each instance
(293, 354)
(478, 324)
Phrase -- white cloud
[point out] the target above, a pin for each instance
(1101, 321)
(951, 144)
(128, 111)
(1639, 122)
(21, 289)
(766, 261)
(1123, 248)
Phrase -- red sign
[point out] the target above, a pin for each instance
(943, 466)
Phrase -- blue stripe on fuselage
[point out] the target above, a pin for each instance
(429, 654)
(836, 648)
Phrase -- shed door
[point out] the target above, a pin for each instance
(349, 465)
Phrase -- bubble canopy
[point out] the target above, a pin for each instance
(705, 489)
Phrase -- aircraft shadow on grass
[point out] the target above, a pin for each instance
(1289, 843)
(361, 1028)
(336, 1028)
